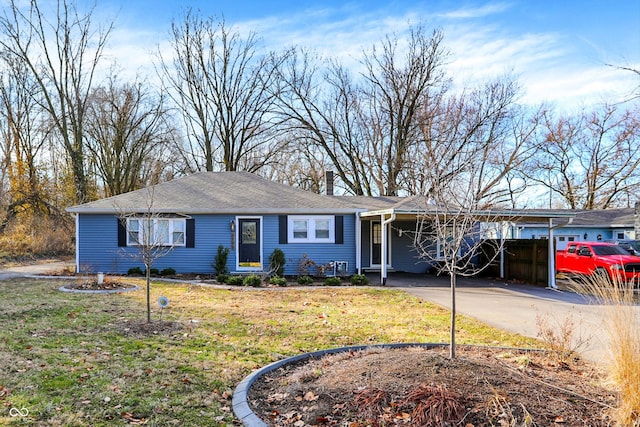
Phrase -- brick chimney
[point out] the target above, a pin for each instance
(636, 221)
(328, 175)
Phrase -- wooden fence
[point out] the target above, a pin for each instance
(524, 261)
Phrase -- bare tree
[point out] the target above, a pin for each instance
(62, 56)
(320, 112)
(635, 92)
(484, 129)
(222, 86)
(149, 234)
(128, 134)
(24, 139)
(591, 161)
(471, 144)
(397, 88)
(300, 165)
(366, 126)
(451, 231)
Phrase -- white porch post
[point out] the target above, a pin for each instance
(383, 250)
(78, 242)
(552, 257)
(385, 241)
(502, 261)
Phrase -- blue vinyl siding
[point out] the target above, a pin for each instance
(320, 253)
(98, 249)
(403, 256)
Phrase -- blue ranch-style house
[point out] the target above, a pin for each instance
(251, 216)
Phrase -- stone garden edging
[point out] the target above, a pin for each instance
(240, 402)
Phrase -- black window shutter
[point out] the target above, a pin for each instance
(283, 231)
(339, 230)
(122, 232)
(191, 233)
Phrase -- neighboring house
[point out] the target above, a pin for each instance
(587, 225)
(252, 216)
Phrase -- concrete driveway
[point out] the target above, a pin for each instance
(42, 268)
(516, 307)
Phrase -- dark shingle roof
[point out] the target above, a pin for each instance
(219, 192)
(621, 217)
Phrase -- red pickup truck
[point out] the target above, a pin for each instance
(587, 258)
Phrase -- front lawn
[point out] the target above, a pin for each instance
(89, 360)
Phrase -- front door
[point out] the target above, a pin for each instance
(376, 244)
(249, 249)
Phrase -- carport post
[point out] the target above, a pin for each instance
(552, 257)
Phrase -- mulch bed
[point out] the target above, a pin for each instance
(93, 285)
(419, 387)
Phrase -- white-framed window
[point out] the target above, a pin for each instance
(308, 229)
(156, 231)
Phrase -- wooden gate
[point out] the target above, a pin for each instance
(525, 260)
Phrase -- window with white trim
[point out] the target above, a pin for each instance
(311, 229)
(156, 231)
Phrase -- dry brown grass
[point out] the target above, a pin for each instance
(622, 325)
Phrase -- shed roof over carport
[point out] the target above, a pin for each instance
(416, 207)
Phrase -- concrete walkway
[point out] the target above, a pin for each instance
(516, 308)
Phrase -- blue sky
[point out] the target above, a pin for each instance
(558, 48)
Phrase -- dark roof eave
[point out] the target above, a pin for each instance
(531, 215)
(207, 211)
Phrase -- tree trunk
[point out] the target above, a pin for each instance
(452, 346)
(148, 275)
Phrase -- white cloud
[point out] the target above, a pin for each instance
(548, 65)
(476, 12)
(572, 88)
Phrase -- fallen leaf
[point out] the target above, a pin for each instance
(559, 420)
(133, 420)
(403, 416)
(310, 396)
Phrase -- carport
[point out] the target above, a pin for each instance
(415, 209)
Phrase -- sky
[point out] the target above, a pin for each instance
(561, 51)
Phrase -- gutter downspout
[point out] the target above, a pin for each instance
(385, 239)
(502, 239)
(552, 253)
